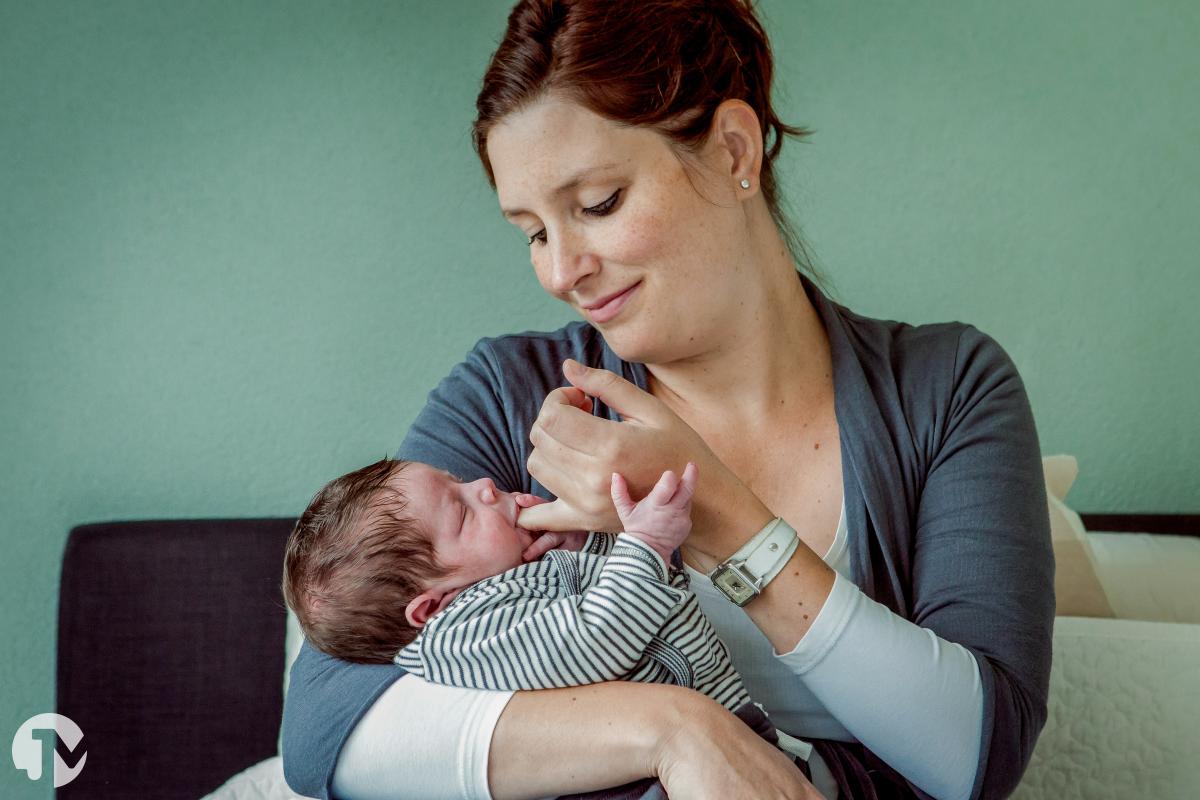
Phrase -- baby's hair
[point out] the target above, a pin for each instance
(354, 561)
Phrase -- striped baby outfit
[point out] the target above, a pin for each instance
(611, 611)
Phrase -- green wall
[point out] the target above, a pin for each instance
(239, 241)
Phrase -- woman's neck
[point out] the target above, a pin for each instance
(775, 366)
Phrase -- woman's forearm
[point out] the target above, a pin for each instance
(558, 741)
(791, 602)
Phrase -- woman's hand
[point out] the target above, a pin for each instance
(716, 755)
(575, 454)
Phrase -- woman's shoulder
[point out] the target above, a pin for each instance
(528, 365)
(541, 349)
(923, 356)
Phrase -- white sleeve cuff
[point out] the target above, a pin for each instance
(826, 628)
(940, 696)
(423, 741)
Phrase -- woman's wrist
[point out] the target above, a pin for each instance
(729, 514)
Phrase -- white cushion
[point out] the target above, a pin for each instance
(263, 781)
(293, 637)
(1149, 576)
(1077, 588)
(1124, 701)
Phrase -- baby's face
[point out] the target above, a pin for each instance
(474, 525)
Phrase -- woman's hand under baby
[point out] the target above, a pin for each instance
(663, 518)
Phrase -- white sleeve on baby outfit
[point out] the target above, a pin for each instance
(423, 741)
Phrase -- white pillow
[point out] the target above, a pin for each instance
(1078, 591)
(263, 781)
(293, 637)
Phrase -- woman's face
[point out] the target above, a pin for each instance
(612, 212)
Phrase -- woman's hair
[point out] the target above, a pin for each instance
(354, 561)
(662, 64)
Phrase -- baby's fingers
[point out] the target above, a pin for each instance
(620, 495)
(687, 486)
(542, 545)
(661, 494)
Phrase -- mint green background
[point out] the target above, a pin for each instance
(239, 241)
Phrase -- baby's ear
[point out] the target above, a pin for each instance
(422, 607)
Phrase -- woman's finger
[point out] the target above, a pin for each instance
(614, 391)
(524, 500)
(568, 396)
(557, 467)
(555, 516)
(572, 427)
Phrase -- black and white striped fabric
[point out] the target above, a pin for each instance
(611, 611)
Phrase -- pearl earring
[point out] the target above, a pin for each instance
(745, 183)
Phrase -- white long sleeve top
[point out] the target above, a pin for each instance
(422, 740)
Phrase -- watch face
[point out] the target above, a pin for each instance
(733, 586)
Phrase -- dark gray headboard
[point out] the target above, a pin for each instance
(170, 653)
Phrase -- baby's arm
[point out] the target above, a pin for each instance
(503, 639)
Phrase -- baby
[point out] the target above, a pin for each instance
(401, 562)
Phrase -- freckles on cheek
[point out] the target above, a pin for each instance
(643, 239)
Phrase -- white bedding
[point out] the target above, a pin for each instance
(1124, 713)
(263, 781)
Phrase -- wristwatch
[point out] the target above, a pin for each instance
(743, 576)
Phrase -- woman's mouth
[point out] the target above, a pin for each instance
(612, 307)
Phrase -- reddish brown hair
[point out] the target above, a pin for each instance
(354, 561)
(662, 64)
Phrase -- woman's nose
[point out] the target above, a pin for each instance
(570, 260)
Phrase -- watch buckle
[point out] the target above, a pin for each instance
(744, 586)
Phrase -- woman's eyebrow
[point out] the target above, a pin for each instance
(569, 184)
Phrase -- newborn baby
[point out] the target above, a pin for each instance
(402, 562)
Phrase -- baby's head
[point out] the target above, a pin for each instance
(382, 549)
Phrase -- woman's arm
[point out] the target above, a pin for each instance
(421, 740)
(589, 737)
(930, 731)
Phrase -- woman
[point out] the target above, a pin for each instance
(907, 634)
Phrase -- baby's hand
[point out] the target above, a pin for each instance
(663, 518)
(548, 540)
(554, 540)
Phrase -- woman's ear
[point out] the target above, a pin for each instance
(736, 131)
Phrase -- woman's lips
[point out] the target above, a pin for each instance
(613, 307)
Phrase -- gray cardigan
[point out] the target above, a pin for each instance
(945, 504)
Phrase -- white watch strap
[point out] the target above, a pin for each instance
(771, 553)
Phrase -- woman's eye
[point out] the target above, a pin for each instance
(601, 210)
(605, 207)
